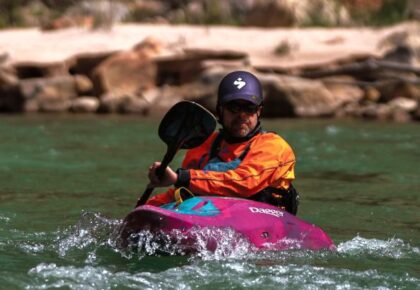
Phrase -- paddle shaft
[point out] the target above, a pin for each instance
(160, 171)
(186, 125)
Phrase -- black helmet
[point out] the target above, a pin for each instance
(240, 85)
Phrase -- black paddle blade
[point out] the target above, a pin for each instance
(186, 125)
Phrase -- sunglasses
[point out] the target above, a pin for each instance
(235, 107)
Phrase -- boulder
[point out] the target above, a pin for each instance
(111, 102)
(48, 94)
(64, 86)
(287, 96)
(398, 111)
(124, 73)
(127, 72)
(344, 89)
(375, 112)
(49, 99)
(163, 102)
(83, 84)
(403, 104)
(84, 104)
(135, 105)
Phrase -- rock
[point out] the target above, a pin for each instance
(85, 105)
(65, 87)
(343, 89)
(135, 105)
(83, 84)
(163, 102)
(50, 100)
(348, 110)
(403, 104)
(26, 70)
(127, 72)
(149, 47)
(296, 97)
(124, 73)
(31, 106)
(375, 112)
(48, 94)
(111, 103)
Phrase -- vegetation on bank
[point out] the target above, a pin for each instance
(265, 13)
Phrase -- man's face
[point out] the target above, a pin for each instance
(240, 117)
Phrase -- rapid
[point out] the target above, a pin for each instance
(67, 181)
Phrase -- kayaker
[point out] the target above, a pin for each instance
(241, 160)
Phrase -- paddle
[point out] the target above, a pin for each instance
(186, 125)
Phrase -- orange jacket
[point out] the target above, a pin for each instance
(269, 162)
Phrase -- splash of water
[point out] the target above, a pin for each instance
(204, 243)
(391, 248)
(92, 232)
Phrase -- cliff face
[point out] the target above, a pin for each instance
(359, 72)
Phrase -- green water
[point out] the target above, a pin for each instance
(67, 181)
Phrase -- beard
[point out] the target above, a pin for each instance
(239, 127)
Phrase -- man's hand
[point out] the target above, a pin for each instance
(168, 178)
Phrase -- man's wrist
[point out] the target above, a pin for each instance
(183, 179)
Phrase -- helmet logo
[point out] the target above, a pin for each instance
(239, 83)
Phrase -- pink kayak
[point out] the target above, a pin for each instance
(264, 226)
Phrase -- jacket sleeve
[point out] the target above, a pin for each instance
(269, 162)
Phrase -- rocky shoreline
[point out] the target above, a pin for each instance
(143, 69)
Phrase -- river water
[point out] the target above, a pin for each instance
(66, 182)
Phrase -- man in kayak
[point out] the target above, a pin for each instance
(241, 160)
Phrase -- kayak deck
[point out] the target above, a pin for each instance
(266, 227)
